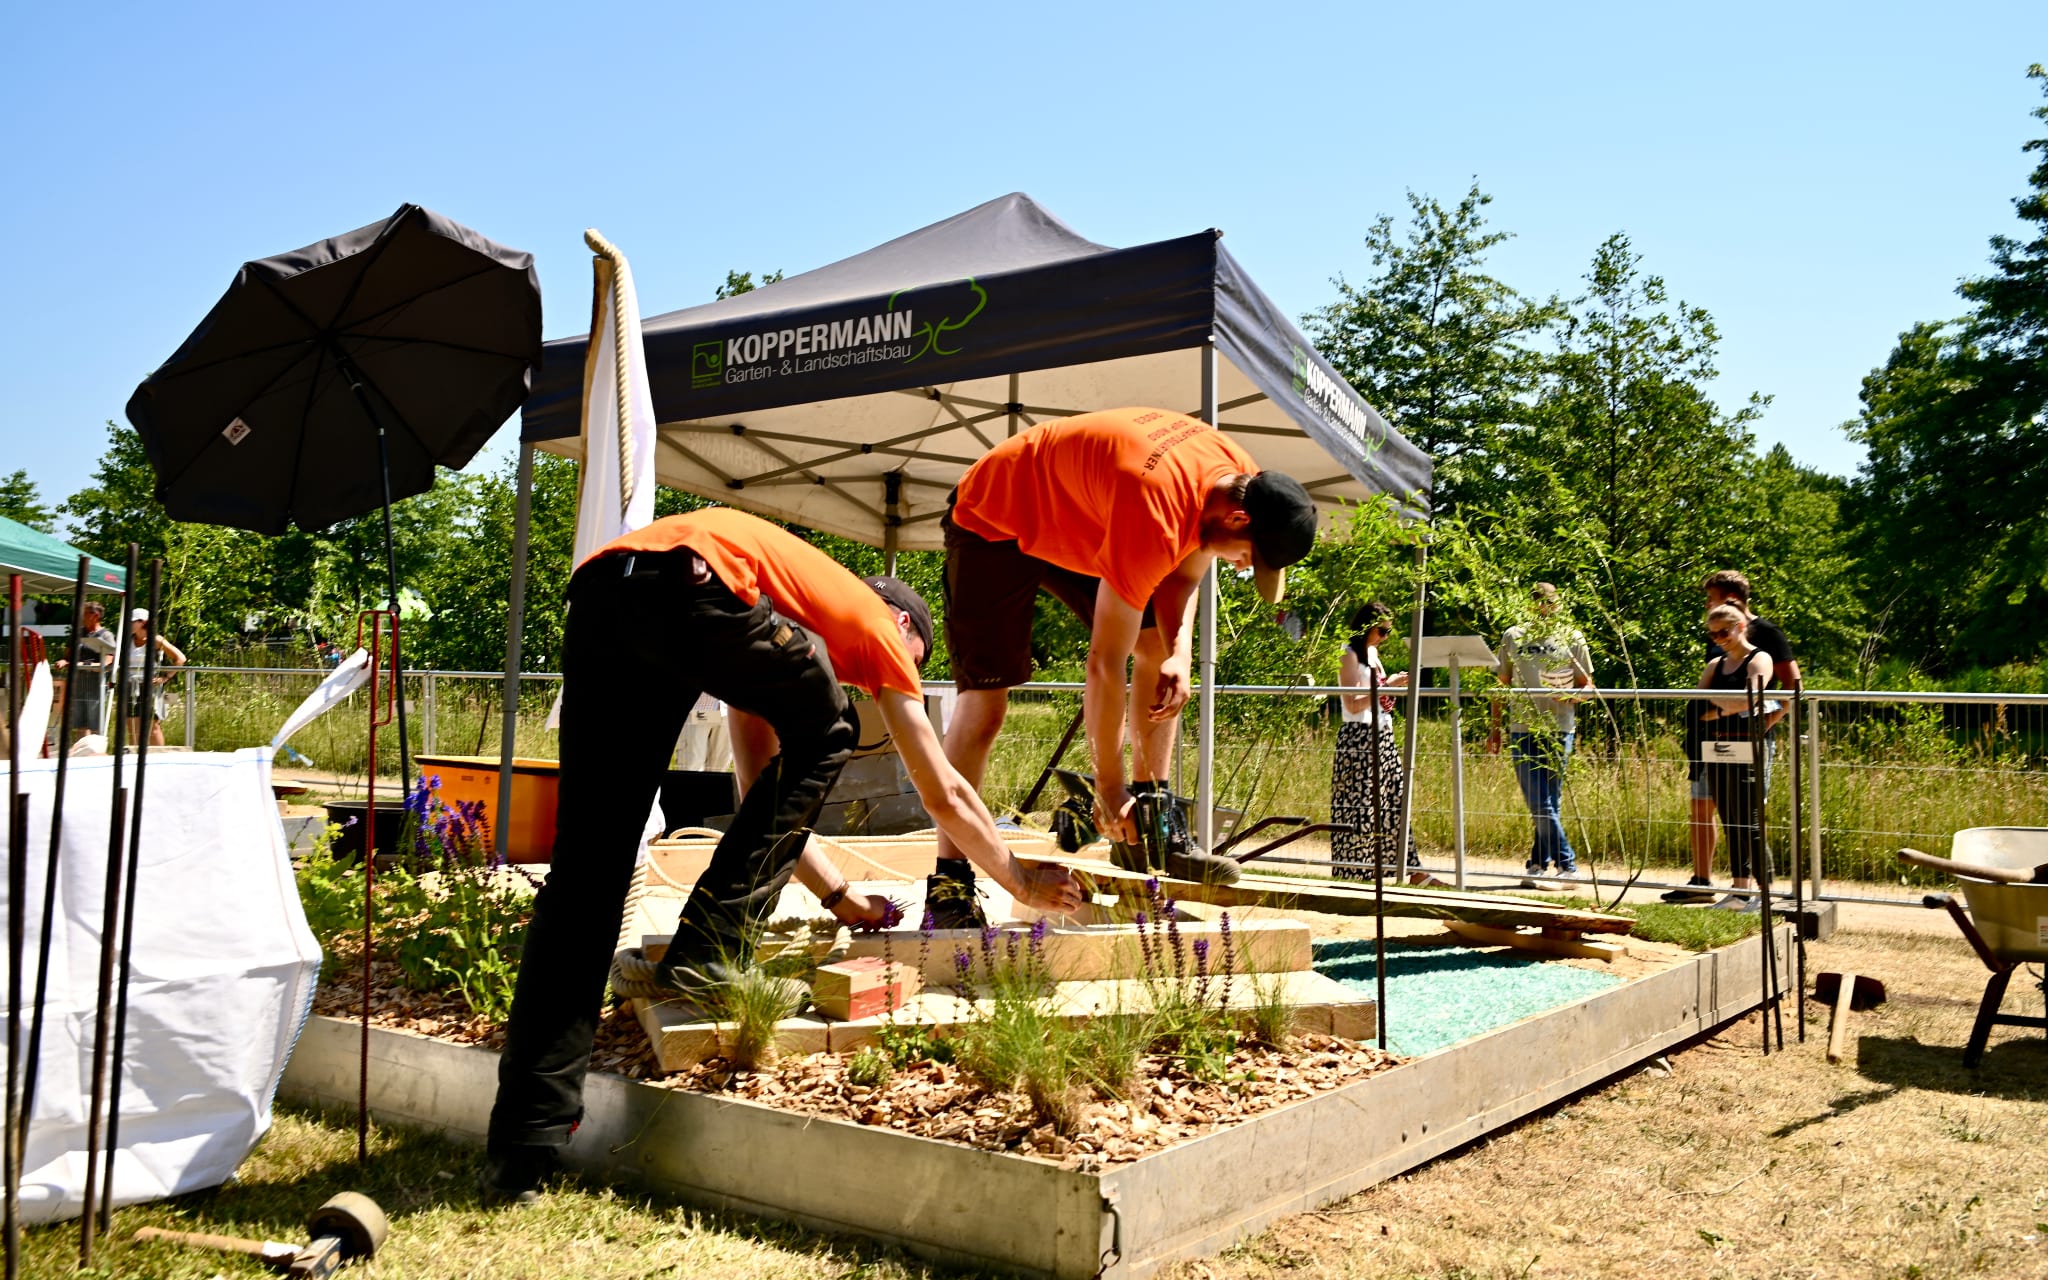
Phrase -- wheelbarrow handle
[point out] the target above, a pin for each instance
(1944, 901)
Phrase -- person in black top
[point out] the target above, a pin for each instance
(1739, 669)
(1729, 587)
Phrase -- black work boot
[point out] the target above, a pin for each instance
(1179, 856)
(518, 1175)
(950, 898)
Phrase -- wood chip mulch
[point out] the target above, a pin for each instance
(929, 1099)
(622, 1047)
(1166, 1106)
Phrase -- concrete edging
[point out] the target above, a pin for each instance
(985, 1209)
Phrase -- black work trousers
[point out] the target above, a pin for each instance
(646, 634)
(1734, 789)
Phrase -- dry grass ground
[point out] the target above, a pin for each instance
(1898, 1163)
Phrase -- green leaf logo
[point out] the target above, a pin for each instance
(933, 332)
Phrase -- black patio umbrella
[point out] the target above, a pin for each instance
(330, 380)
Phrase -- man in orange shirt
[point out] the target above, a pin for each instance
(1118, 514)
(717, 602)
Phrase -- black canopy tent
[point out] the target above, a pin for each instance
(851, 398)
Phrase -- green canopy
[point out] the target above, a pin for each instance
(48, 564)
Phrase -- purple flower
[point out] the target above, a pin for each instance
(929, 925)
(1201, 957)
(1173, 939)
(352, 820)
(963, 962)
(434, 782)
(988, 948)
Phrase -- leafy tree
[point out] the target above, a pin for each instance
(1439, 346)
(20, 500)
(1950, 509)
(119, 506)
(739, 282)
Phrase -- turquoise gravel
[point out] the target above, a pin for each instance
(1439, 996)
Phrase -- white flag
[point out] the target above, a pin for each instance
(615, 486)
(346, 679)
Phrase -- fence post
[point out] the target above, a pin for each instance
(427, 697)
(191, 709)
(1812, 727)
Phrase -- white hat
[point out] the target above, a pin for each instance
(140, 615)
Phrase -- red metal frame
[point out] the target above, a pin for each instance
(382, 627)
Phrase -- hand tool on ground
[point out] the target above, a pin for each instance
(1845, 991)
(1976, 870)
(348, 1228)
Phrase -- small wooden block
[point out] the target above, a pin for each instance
(863, 987)
(1549, 942)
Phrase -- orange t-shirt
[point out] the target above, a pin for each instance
(750, 556)
(1116, 495)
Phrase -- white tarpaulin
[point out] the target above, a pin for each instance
(347, 678)
(223, 974)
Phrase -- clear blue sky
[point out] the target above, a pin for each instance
(1818, 177)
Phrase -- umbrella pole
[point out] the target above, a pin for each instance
(35, 1030)
(156, 592)
(355, 383)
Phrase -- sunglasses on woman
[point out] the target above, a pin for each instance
(1721, 634)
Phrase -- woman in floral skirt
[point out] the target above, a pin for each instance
(1368, 731)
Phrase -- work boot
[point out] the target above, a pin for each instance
(517, 1175)
(1161, 817)
(698, 990)
(950, 898)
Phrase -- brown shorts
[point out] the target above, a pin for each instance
(991, 594)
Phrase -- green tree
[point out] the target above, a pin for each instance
(1950, 509)
(20, 500)
(1436, 344)
(739, 282)
(1654, 469)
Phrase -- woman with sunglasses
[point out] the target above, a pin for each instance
(1740, 668)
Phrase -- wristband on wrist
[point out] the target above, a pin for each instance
(835, 897)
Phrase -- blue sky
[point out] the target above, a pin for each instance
(1817, 176)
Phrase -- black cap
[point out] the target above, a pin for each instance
(1283, 529)
(896, 593)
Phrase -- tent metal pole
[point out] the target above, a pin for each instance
(892, 518)
(1414, 700)
(1016, 405)
(515, 617)
(1205, 759)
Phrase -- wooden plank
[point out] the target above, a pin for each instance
(1286, 892)
(1088, 953)
(1321, 1004)
(1547, 943)
(680, 860)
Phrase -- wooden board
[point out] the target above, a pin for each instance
(1095, 952)
(1321, 1004)
(681, 858)
(1287, 892)
(1563, 943)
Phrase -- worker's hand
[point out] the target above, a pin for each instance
(872, 910)
(1397, 679)
(1113, 814)
(1051, 889)
(1171, 694)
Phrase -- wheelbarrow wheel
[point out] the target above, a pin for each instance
(355, 1219)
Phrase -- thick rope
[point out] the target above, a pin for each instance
(622, 285)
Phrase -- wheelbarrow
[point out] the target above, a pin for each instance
(2004, 875)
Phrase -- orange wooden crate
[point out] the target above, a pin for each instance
(530, 836)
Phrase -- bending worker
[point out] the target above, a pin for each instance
(1118, 515)
(718, 602)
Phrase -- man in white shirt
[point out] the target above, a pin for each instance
(1548, 653)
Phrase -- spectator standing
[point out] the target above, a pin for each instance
(137, 701)
(704, 745)
(89, 679)
(1368, 731)
(1548, 653)
(1738, 669)
(1729, 587)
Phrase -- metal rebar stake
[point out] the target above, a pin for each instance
(1772, 1005)
(17, 881)
(125, 964)
(1379, 854)
(1793, 831)
(116, 831)
(33, 1067)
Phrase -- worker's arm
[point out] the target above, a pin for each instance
(959, 812)
(1506, 676)
(1110, 641)
(1173, 605)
